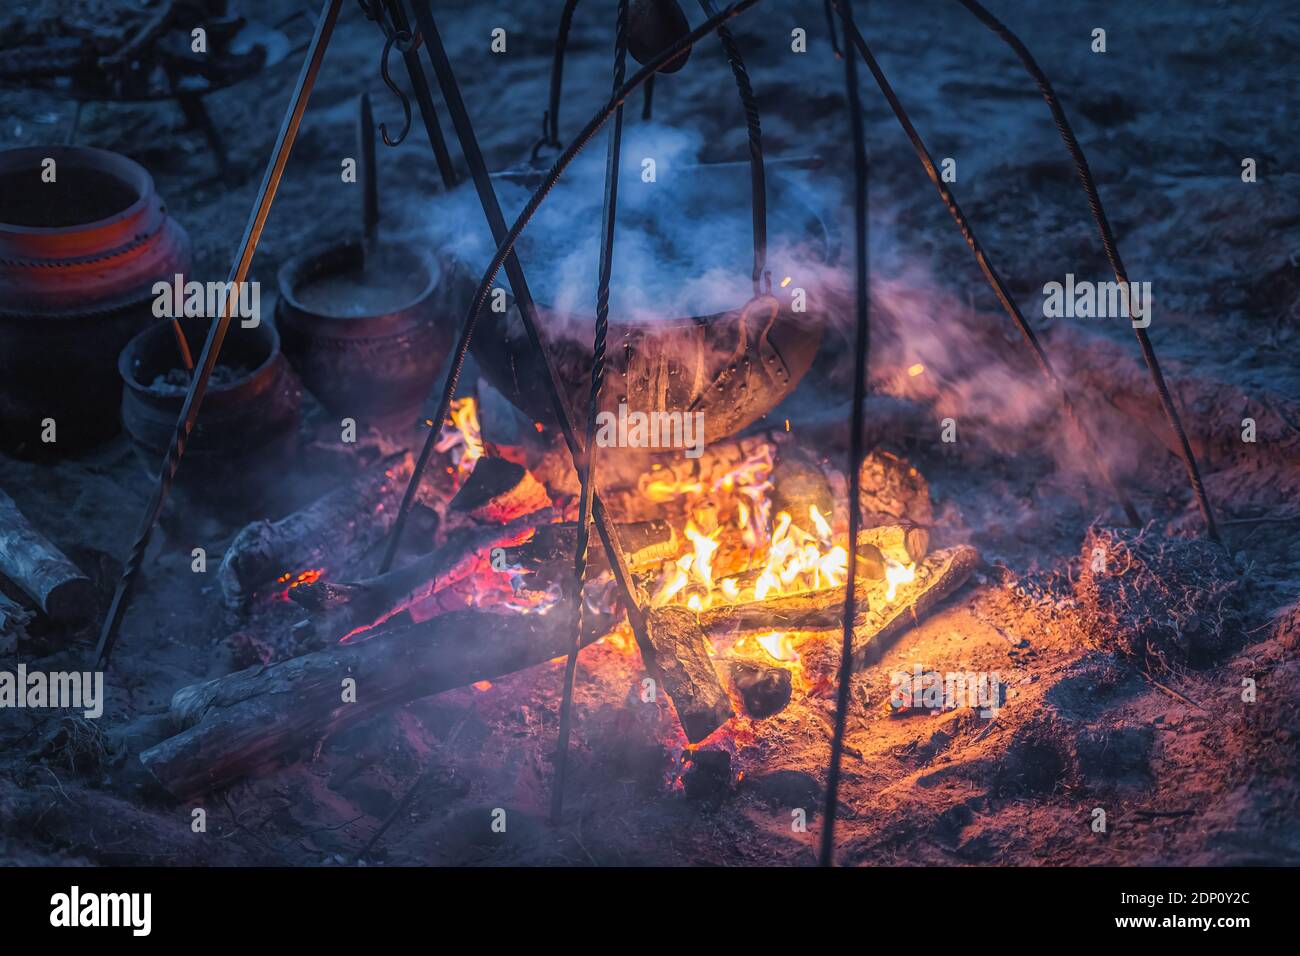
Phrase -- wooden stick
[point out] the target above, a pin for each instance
(43, 572)
(248, 721)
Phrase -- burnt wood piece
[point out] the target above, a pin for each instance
(332, 532)
(342, 608)
(682, 664)
(548, 554)
(876, 622)
(764, 691)
(248, 721)
(498, 491)
(29, 560)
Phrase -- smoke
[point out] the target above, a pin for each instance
(683, 243)
(684, 247)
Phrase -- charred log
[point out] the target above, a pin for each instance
(248, 721)
(877, 621)
(333, 532)
(29, 560)
(498, 491)
(681, 660)
(341, 608)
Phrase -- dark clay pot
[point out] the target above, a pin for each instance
(78, 261)
(369, 340)
(247, 430)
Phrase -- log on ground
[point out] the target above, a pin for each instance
(249, 721)
(29, 560)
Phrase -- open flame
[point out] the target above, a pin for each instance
(896, 574)
(462, 436)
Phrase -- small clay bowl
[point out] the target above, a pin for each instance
(246, 434)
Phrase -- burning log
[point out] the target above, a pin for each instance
(334, 531)
(681, 661)
(548, 554)
(498, 491)
(53, 582)
(247, 721)
(804, 611)
(346, 607)
(877, 621)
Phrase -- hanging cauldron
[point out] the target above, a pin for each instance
(733, 366)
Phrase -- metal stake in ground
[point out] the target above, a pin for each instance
(217, 333)
(609, 218)
(860, 352)
(1112, 250)
(991, 275)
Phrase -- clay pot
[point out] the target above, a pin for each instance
(246, 435)
(367, 338)
(78, 260)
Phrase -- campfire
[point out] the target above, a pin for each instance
(652, 515)
(740, 555)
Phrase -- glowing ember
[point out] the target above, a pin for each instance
(291, 580)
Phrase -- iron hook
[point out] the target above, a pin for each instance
(401, 38)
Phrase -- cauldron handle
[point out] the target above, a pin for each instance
(769, 358)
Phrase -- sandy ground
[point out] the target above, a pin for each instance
(1185, 770)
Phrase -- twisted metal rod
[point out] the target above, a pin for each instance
(861, 171)
(1108, 243)
(609, 218)
(990, 273)
(754, 129)
(217, 332)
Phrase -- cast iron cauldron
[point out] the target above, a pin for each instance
(733, 366)
(368, 342)
(78, 260)
(246, 434)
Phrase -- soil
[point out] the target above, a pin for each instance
(1095, 757)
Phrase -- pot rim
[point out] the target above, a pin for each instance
(125, 372)
(124, 168)
(290, 275)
